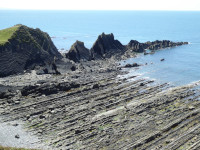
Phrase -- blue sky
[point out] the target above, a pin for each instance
(101, 4)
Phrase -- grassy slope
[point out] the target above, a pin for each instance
(11, 148)
(6, 34)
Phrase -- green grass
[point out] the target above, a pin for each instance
(6, 34)
(12, 148)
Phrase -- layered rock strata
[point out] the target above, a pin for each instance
(25, 49)
(105, 112)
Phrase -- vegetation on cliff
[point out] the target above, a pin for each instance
(12, 148)
(24, 48)
(6, 34)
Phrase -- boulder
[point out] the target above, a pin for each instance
(73, 68)
(78, 52)
(162, 59)
(23, 48)
(106, 46)
(17, 136)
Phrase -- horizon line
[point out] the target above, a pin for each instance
(92, 9)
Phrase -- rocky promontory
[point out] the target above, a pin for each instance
(106, 46)
(23, 48)
(155, 45)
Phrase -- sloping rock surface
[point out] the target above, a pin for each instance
(105, 112)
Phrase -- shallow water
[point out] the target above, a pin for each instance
(179, 67)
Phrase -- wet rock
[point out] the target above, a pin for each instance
(162, 59)
(131, 65)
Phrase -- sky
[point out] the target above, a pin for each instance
(101, 4)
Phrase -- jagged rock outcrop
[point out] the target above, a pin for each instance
(106, 46)
(138, 47)
(24, 49)
(135, 46)
(48, 89)
(155, 45)
(78, 52)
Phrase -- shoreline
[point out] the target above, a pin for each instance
(78, 100)
(106, 111)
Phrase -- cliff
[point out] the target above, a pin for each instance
(23, 48)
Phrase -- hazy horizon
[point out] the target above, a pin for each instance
(166, 5)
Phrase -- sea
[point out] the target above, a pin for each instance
(181, 65)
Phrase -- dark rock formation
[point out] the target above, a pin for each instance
(138, 47)
(25, 49)
(78, 52)
(155, 45)
(17, 136)
(131, 65)
(106, 46)
(48, 89)
(7, 91)
(162, 59)
(73, 68)
(135, 46)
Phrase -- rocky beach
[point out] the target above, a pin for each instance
(83, 99)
